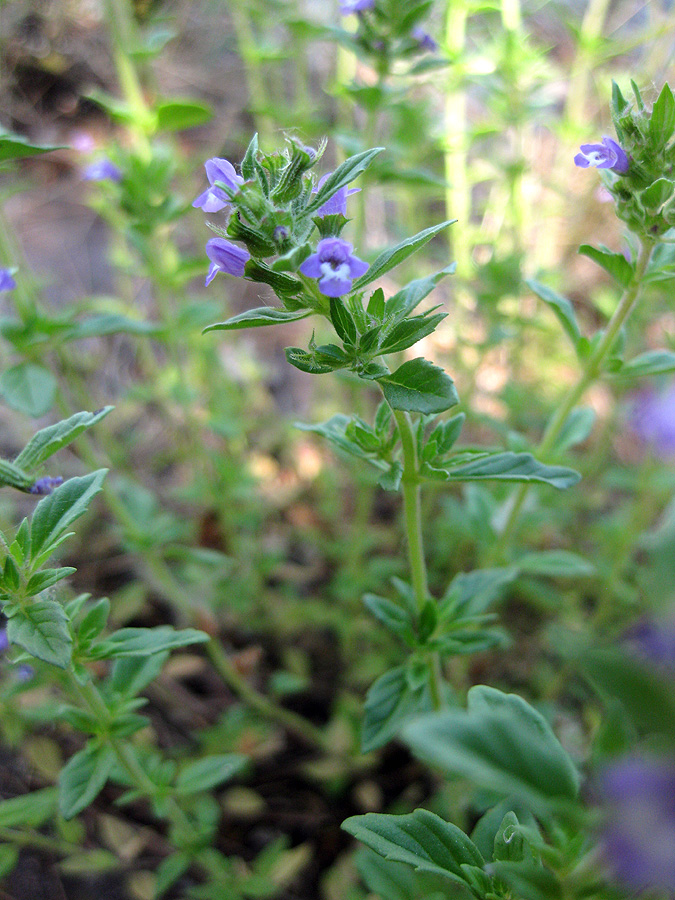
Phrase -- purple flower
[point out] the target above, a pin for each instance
(424, 40)
(45, 485)
(7, 283)
(334, 266)
(225, 257)
(4, 640)
(102, 170)
(652, 419)
(337, 205)
(214, 198)
(654, 642)
(353, 6)
(607, 155)
(639, 837)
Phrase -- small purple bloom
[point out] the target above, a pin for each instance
(654, 642)
(353, 6)
(225, 257)
(639, 836)
(102, 170)
(337, 205)
(7, 283)
(25, 672)
(45, 485)
(424, 40)
(607, 155)
(334, 266)
(4, 640)
(214, 198)
(652, 419)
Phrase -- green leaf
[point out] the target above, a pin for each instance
(258, 318)
(409, 332)
(615, 263)
(83, 778)
(206, 773)
(662, 120)
(342, 320)
(248, 162)
(653, 362)
(389, 702)
(397, 881)
(656, 194)
(46, 578)
(555, 564)
(146, 641)
(528, 881)
(109, 323)
(42, 630)
(14, 146)
(28, 388)
(12, 476)
(90, 862)
(419, 386)
(169, 871)
(472, 593)
(408, 298)
(344, 174)
(47, 441)
(576, 429)
(308, 362)
(394, 256)
(420, 839)
(29, 810)
(506, 466)
(55, 513)
(177, 115)
(9, 857)
(131, 674)
(392, 615)
(501, 744)
(560, 306)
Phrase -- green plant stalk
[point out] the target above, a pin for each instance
(589, 374)
(412, 507)
(38, 842)
(255, 81)
(589, 34)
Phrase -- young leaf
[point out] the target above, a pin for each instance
(419, 386)
(653, 362)
(662, 121)
(392, 615)
(501, 744)
(146, 641)
(408, 298)
(28, 810)
(555, 564)
(576, 429)
(258, 318)
(421, 839)
(389, 702)
(409, 332)
(42, 630)
(83, 777)
(506, 466)
(206, 773)
(28, 388)
(55, 513)
(47, 441)
(344, 174)
(342, 320)
(615, 263)
(14, 146)
(560, 305)
(177, 115)
(394, 256)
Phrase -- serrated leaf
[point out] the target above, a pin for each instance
(389, 702)
(615, 264)
(420, 839)
(342, 320)
(419, 386)
(560, 305)
(499, 743)
(83, 778)
(42, 630)
(409, 332)
(49, 440)
(308, 362)
(334, 430)
(394, 256)
(46, 578)
(555, 564)
(344, 174)
(259, 318)
(28, 388)
(55, 513)
(206, 773)
(506, 466)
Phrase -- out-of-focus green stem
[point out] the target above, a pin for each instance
(255, 80)
(589, 374)
(589, 33)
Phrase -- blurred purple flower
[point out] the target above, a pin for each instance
(45, 485)
(334, 266)
(225, 257)
(7, 283)
(102, 170)
(607, 155)
(214, 198)
(4, 640)
(424, 40)
(353, 6)
(654, 642)
(337, 205)
(639, 837)
(25, 672)
(652, 419)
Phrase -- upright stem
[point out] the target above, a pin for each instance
(589, 374)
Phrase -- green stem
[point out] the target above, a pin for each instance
(38, 842)
(589, 374)
(255, 82)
